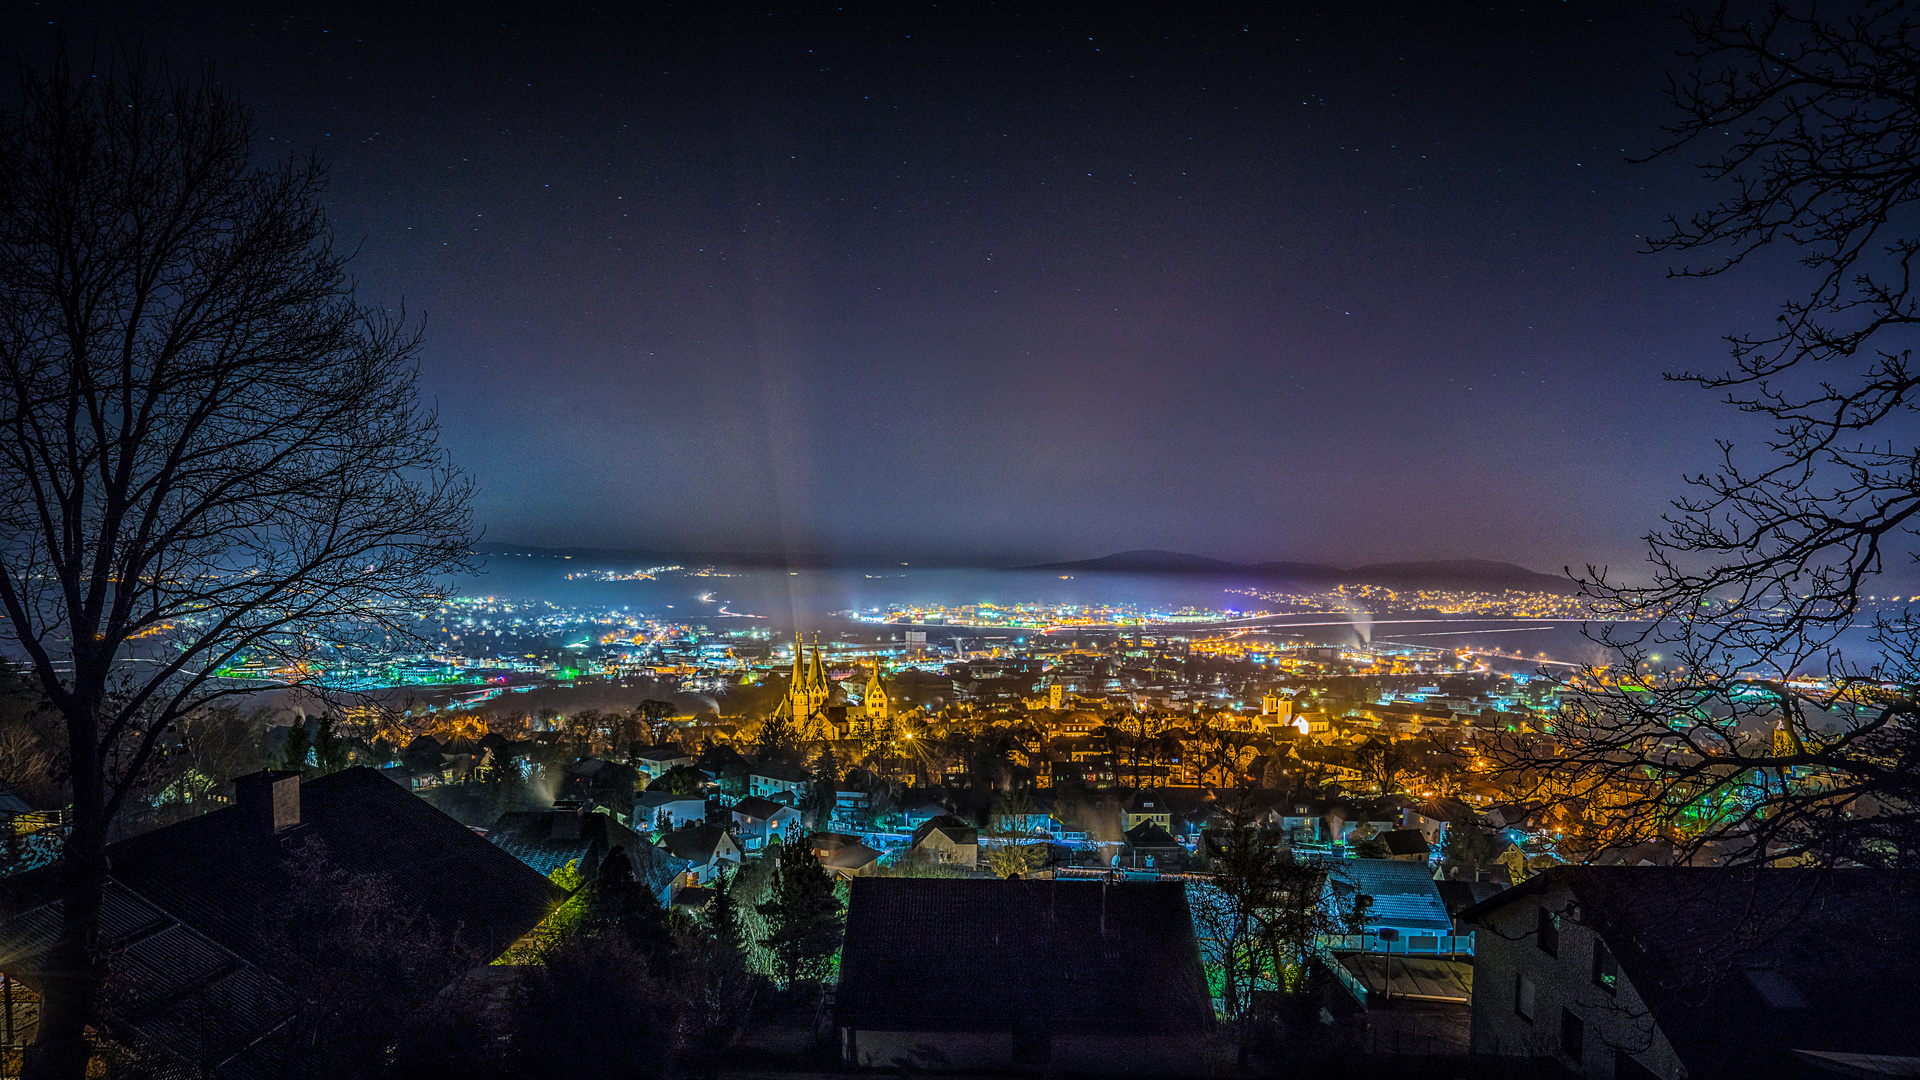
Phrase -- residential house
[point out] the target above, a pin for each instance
(724, 767)
(920, 813)
(1391, 894)
(549, 839)
(1056, 976)
(665, 811)
(850, 804)
(1150, 847)
(653, 762)
(1409, 845)
(779, 781)
(1146, 804)
(190, 912)
(947, 840)
(844, 856)
(1635, 972)
(706, 848)
(1032, 817)
(603, 783)
(757, 820)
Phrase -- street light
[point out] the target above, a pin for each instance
(1388, 935)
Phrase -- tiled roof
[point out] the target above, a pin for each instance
(528, 836)
(1404, 893)
(755, 806)
(1149, 834)
(694, 843)
(186, 995)
(854, 856)
(1074, 956)
(190, 907)
(653, 800)
(780, 771)
(212, 873)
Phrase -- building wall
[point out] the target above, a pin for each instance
(937, 1050)
(1507, 946)
(941, 848)
(1123, 1055)
(1093, 1055)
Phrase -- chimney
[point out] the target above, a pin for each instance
(269, 800)
(566, 820)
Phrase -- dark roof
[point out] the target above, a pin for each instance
(1407, 842)
(653, 800)
(1461, 895)
(1149, 834)
(1073, 956)
(694, 843)
(527, 835)
(781, 771)
(1741, 968)
(757, 806)
(189, 907)
(217, 876)
(663, 753)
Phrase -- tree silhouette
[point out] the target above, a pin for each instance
(1737, 719)
(211, 456)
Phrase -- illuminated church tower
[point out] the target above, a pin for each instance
(874, 702)
(807, 690)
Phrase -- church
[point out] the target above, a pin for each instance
(818, 709)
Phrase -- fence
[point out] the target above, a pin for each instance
(1407, 945)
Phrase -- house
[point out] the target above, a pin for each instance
(844, 856)
(1146, 804)
(1409, 845)
(664, 810)
(1060, 976)
(549, 839)
(653, 762)
(190, 910)
(1636, 972)
(758, 820)
(603, 783)
(1150, 847)
(947, 839)
(706, 848)
(921, 813)
(1391, 894)
(779, 781)
(724, 767)
(850, 803)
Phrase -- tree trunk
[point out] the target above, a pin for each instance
(74, 971)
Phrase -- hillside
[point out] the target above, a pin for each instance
(1465, 574)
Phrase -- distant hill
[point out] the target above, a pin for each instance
(1466, 574)
(1481, 574)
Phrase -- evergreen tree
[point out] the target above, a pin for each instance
(330, 752)
(620, 904)
(803, 914)
(297, 747)
(723, 918)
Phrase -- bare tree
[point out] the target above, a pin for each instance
(1762, 706)
(212, 458)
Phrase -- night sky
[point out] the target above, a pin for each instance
(998, 284)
